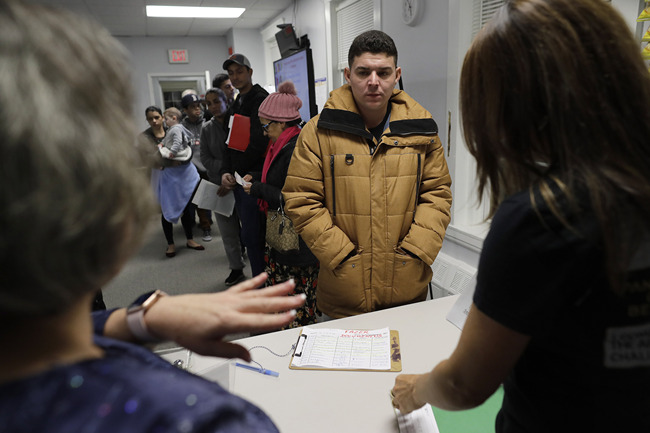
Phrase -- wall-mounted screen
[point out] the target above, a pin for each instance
(299, 68)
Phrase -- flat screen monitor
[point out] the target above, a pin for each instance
(299, 68)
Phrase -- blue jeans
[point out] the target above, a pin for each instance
(252, 230)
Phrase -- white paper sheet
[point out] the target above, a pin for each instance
(418, 421)
(458, 313)
(240, 180)
(206, 198)
(343, 349)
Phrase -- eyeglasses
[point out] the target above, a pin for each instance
(266, 127)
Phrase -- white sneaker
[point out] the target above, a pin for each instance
(207, 237)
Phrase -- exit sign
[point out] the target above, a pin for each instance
(179, 56)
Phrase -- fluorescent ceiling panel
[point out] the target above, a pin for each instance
(193, 12)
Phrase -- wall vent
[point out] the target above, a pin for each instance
(450, 276)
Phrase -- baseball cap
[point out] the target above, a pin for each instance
(240, 59)
(188, 99)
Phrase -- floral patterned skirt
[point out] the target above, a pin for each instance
(306, 278)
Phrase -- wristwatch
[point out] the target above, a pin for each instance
(135, 316)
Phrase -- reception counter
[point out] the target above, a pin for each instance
(318, 401)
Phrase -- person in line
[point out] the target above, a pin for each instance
(213, 146)
(193, 121)
(186, 92)
(157, 128)
(149, 139)
(222, 81)
(368, 187)
(560, 314)
(174, 183)
(281, 122)
(59, 375)
(251, 160)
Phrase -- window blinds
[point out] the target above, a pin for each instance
(352, 19)
(483, 11)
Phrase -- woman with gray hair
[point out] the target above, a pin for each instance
(74, 175)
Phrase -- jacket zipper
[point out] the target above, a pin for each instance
(417, 185)
(333, 186)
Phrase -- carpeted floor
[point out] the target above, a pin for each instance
(189, 272)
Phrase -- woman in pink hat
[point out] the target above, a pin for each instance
(281, 122)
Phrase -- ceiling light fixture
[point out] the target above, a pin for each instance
(193, 12)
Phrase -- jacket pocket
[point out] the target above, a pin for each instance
(410, 279)
(344, 286)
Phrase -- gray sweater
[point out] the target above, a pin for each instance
(213, 147)
(195, 131)
(177, 138)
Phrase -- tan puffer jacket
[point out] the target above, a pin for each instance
(342, 198)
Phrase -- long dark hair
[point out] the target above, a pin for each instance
(555, 91)
(153, 108)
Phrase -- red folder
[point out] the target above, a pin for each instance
(240, 132)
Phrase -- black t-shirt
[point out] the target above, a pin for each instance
(587, 366)
(377, 131)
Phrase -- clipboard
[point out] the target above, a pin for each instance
(395, 356)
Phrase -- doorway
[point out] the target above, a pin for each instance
(165, 89)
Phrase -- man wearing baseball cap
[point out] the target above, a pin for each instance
(251, 160)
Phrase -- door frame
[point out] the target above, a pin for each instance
(156, 97)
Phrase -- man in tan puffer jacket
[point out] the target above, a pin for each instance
(368, 187)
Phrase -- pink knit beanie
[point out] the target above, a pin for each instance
(283, 105)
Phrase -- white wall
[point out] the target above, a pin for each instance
(249, 43)
(149, 56)
(422, 55)
(630, 9)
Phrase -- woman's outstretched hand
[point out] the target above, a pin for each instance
(199, 322)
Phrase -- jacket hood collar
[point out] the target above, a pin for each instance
(407, 116)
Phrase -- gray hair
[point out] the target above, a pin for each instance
(73, 203)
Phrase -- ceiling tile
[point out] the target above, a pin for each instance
(111, 3)
(205, 27)
(252, 23)
(168, 27)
